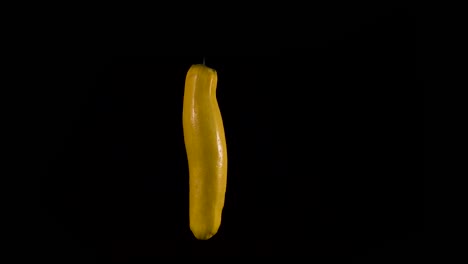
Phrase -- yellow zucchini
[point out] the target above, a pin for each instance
(205, 144)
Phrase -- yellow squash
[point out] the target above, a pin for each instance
(205, 145)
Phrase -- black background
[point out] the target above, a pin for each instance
(324, 151)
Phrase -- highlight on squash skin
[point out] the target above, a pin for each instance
(205, 145)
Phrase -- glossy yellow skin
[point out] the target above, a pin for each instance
(205, 144)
